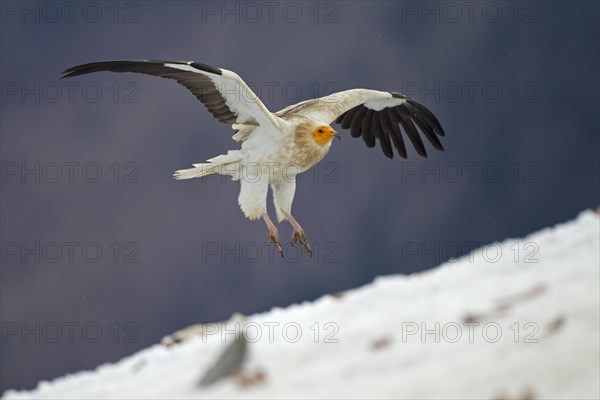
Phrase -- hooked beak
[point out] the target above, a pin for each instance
(337, 135)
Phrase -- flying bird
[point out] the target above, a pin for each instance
(276, 147)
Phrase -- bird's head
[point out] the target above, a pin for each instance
(324, 134)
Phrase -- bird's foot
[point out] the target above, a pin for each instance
(300, 236)
(274, 240)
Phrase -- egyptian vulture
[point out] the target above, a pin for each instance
(278, 146)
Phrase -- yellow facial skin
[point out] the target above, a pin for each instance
(324, 135)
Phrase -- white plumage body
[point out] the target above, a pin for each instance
(268, 157)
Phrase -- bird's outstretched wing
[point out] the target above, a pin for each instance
(223, 92)
(372, 114)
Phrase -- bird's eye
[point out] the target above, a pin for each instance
(320, 130)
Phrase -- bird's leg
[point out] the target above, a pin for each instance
(298, 235)
(273, 234)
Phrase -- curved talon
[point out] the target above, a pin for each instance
(273, 234)
(300, 236)
(274, 239)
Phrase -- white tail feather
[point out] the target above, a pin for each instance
(198, 171)
(225, 164)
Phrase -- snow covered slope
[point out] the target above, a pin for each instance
(515, 320)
